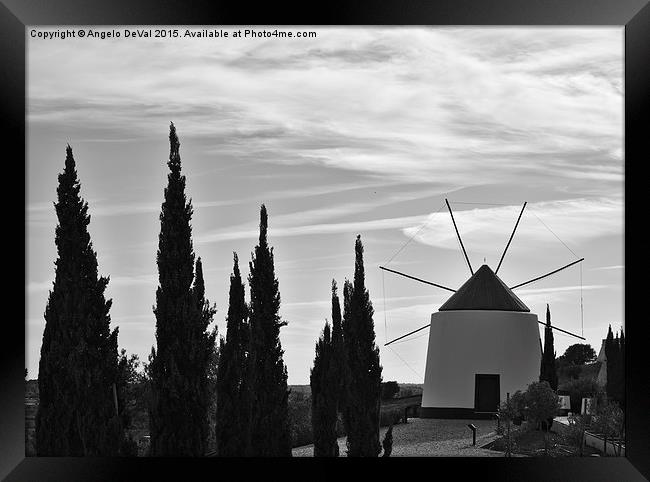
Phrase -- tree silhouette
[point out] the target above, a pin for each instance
(578, 354)
(180, 363)
(323, 381)
(548, 371)
(231, 416)
(361, 414)
(78, 367)
(266, 374)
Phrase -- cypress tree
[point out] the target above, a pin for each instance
(267, 392)
(347, 375)
(548, 371)
(323, 381)
(231, 417)
(621, 370)
(348, 288)
(339, 358)
(179, 364)
(78, 367)
(388, 442)
(364, 386)
(128, 398)
(611, 355)
(207, 359)
(615, 367)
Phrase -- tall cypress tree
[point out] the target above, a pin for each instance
(348, 288)
(364, 387)
(269, 433)
(611, 355)
(339, 358)
(231, 418)
(207, 358)
(614, 351)
(323, 380)
(78, 368)
(617, 367)
(347, 377)
(179, 365)
(548, 371)
(328, 383)
(621, 370)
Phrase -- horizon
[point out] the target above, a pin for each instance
(358, 131)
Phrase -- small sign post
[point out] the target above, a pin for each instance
(472, 427)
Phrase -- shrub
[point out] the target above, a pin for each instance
(518, 402)
(590, 370)
(390, 417)
(300, 420)
(299, 406)
(542, 404)
(129, 447)
(389, 390)
(609, 421)
(576, 432)
(582, 388)
(406, 392)
(512, 410)
(388, 442)
(571, 372)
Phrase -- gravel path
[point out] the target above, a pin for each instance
(427, 437)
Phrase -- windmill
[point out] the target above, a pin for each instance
(483, 342)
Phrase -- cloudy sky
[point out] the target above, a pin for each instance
(357, 131)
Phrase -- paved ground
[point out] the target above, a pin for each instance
(427, 437)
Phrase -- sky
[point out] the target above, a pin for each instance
(357, 131)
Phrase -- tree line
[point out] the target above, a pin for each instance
(83, 381)
(578, 354)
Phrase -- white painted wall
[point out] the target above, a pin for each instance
(464, 343)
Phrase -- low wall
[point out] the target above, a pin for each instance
(598, 443)
(561, 425)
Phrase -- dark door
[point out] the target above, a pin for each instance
(487, 393)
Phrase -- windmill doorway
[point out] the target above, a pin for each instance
(487, 393)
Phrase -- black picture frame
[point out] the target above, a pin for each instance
(15, 15)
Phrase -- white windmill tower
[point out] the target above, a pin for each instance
(483, 344)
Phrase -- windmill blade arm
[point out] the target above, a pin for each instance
(547, 274)
(563, 331)
(417, 279)
(408, 334)
(511, 236)
(462, 246)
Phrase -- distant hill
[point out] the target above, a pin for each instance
(406, 389)
(304, 389)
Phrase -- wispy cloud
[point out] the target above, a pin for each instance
(608, 268)
(559, 289)
(311, 229)
(39, 212)
(300, 223)
(574, 221)
(416, 104)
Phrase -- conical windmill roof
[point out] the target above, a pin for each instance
(484, 291)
